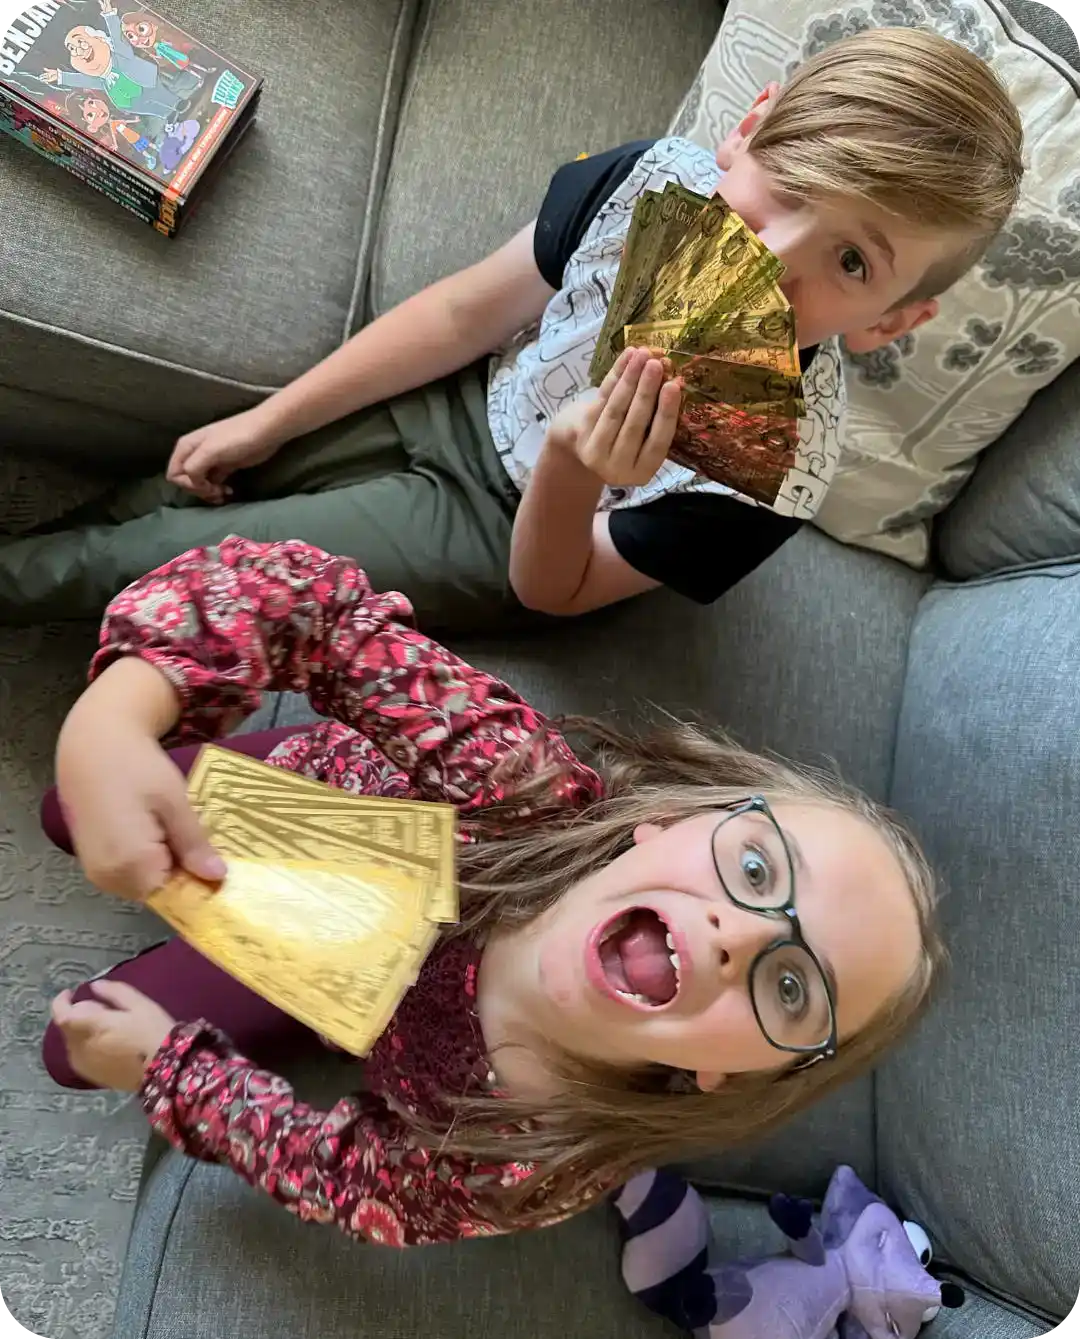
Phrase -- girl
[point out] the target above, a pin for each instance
(660, 953)
(98, 118)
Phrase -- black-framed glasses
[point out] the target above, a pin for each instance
(793, 999)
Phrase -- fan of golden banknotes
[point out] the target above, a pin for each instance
(332, 901)
(696, 283)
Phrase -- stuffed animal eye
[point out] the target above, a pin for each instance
(920, 1243)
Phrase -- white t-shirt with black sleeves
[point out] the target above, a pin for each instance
(689, 533)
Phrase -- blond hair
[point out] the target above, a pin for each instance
(908, 121)
(610, 1123)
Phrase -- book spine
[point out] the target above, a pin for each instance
(96, 168)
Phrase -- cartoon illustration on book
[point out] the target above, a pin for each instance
(142, 107)
(123, 134)
(171, 48)
(107, 63)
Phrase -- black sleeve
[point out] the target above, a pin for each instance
(576, 192)
(699, 544)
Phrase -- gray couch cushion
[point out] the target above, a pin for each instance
(209, 1258)
(978, 1122)
(100, 311)
(499, 96)
(1045, 23)
(807, 657)
(1023, 503)
(981, 1318)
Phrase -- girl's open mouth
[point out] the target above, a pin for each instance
(634, 958)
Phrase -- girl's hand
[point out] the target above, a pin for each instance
(124, 799)
(111, 1039)
(623, 434)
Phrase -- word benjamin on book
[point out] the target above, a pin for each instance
(23, 30)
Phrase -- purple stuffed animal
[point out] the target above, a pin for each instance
(858, 1273)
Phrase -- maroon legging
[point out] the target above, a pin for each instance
(183, 982)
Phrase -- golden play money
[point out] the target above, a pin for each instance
(335, 949)
(719, 265)
(660, 220)
(735, 383)
(254, 810)
(331, 902)
(710, 300)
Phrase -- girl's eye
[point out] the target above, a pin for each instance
(851, 262)
(756, 870)
(792, 993)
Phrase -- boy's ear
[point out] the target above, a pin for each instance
(891, 326)
(740, 136)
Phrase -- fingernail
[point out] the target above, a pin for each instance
(217, 867)
(211, 866)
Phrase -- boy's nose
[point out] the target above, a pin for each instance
(786, 238)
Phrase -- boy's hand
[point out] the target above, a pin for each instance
(127, 808)
(111, 1039)
(204, 459)
(623, 434)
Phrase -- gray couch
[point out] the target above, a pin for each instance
(399, 141)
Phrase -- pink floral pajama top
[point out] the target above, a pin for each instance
(409, 719)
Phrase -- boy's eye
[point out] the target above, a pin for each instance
(851, 262)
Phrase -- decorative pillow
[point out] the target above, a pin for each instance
(920, 410)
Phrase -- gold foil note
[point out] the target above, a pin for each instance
(332, 901)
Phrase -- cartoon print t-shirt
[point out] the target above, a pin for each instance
(689, 533)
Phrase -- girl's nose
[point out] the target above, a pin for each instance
(740, 936)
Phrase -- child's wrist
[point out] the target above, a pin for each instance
(131, 697)
(295, 410)
(560, 448)
(563, 472)
(272, 421)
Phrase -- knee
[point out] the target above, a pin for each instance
(54, 1056)
(53, 823)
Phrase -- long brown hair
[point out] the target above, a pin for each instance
(610, 1123)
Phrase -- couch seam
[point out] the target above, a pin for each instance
(875, 1124)
(419, 51)
(173, 1213)
(1052, 569)
(83, 406)
(381, 166)
(165, 363)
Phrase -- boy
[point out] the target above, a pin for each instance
(879, 174)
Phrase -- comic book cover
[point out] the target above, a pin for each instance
(121, 97)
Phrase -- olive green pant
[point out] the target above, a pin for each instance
(413, 489)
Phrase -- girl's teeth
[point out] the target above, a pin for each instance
(638, 999)
(669, 941)
(674, 960)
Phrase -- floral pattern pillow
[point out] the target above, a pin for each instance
(919, 411)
